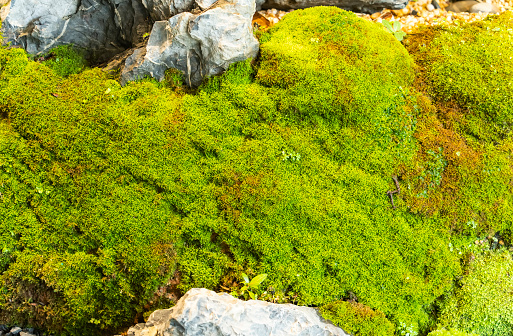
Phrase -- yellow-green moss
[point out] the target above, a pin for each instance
(472, 64)
(357, 319)
(450, 332)
(483, 301)
(331, 63)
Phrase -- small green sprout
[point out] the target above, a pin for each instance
(394, 28)
(251, 287)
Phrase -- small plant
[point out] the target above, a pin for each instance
(251, 287)
(292, 156)
(394, 28)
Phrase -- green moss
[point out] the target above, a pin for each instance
(278, 167)
(482, 303)
(66, 60)
(357, 319)
(450, 332)
(332, 64)
(472, 64)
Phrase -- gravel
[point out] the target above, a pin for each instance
(415, 14)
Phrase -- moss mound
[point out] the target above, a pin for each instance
(472, 65)
(357, 319)
(329, 62)
(114, 198)
(463, 132)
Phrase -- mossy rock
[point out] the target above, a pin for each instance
(357, 319)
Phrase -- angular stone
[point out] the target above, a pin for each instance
(199, 45)
(202, 312)
(101, 27)
(170, 46)
(164, 9)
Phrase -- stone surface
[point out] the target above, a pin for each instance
(164, 9)
(15, 330)
(198, 45)
(362, 6)
(102, 27)
(5, 6)
(484, 7)
(202, 312)
(461, 6)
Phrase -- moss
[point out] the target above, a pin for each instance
(279, 166)
(472, 64)
(328, 61)
(483, 303)
(450, 332)
(463, 132)
(65, 60)
(357, 319)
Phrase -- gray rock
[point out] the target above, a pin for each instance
(461, 6)
(163, 9)
(132, 19)
(23, 333)
(484, 7)
(199, 45)
(202, 312)
(102, 28)
(15, 330)
(362, 6)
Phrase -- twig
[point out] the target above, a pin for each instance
(391, 193)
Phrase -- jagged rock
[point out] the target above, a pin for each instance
(199, 45)
(363, 6)
(102, 28)
(164, 9)
(202, 312)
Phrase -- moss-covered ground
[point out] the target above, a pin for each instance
(114, 199)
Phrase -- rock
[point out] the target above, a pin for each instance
(102, 28)
(4, 10)
(203, 312)
(361, 6)
(15, 331)
(461, 6)
(199, 45)
(164, 9)
(23, 333)
(132, 19)
(484, 7)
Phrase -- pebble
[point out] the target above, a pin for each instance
(17, 331)
(484, 7)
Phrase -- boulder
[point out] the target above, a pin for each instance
(199, 45)
(203, 312)
(102, 28)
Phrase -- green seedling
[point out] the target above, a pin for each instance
(394, 28)
(251, 287)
